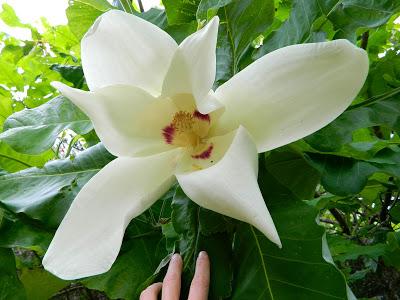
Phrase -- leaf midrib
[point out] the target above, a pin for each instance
(262, 262)
(48, 124)
(280, 281)
(49, 175)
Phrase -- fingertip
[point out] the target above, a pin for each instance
(151, 292)
(203, 255)
(203, 260)
(201, 280)
(172, 280)
(176, 259)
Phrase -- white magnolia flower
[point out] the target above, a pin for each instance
(152, 106)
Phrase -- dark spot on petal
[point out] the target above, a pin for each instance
(205, 154)
(200, 116)
(168, 134)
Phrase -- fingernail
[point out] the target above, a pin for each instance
(175, 257)
(202, 254)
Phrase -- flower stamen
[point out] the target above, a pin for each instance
(190, 130)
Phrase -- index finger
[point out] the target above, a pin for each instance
(172, 281)
(201, 279)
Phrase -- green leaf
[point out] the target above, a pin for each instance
(125, 5)
(297, 28)
(211, 222)
(180, 11)
(10, 287)
(40, 284)
(345, 15)
(35, 130)
(343, 249)
(224, 57)
(82, 14)
(73, 74)
(46, 194)
(392, 255)
(133, 270)
(6, 108)
(219, 249)
(184, 218)
(20, 231)
(102, 5)
(209, 8)
(241, 23)
(13, 161)
(294, 172)
(10, 18)
(155, 16)
(340, 131)
(350, 15)
(181, 31)
(297, 271)
(186, 221)
(346, 176)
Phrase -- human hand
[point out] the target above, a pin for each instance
(171, 286)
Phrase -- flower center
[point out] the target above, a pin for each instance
(189, 129)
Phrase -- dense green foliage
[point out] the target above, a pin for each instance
(334, 196)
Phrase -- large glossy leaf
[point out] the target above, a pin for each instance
(73, 74)
(188, 220)
(346, 16)
(346, 176)
(35, 130)
(298, 270)
(340, 131)
(281, 165)
(81, 14)
(10, 287)
(209, 8)
(241, 23)
(349, 15)
(20, 231)
(297, 28)
(45, 194)
(180, 11)
(12, 161)
(40, 284)
(133, 271)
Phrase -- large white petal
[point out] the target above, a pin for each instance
(90, 236)
(128, 120)
(292, 92)
(121, 48)
(193, 67)
(230, 186)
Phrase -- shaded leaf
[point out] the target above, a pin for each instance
(20, 231)
(35, 130)
(46, 194)
(133, 270)
(10, 287)
(13, 161)
(73, 74)
(180, 11)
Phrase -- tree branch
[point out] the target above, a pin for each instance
(341, 220)
(364, 40)
(328, 221)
